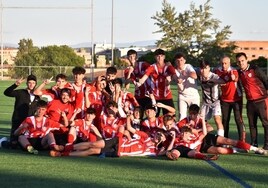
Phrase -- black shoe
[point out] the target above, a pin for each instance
(265, 147)
(254, 144)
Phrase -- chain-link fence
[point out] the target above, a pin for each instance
(44, 72)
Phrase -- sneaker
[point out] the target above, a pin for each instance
(31, 149)
(102, 155)
(4, 139)
(238, 150)
(54, 153)
(211, 157)
(261, 151)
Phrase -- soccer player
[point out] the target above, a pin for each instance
(187, 86)
(133, 73)
(64, 104)
(54, 91)
(210, 95)
(25, 105)
(118, 146)
(124, 99)
(255, 84)
(211, 143)
(152, 124)
(111, 73)
(96, 99)
(35, 131)
(111, 121)
(83, 130)
(160, 74)
(231, 97)
(194, 121)
(79, 86)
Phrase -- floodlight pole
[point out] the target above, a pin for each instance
(112, 33)
(92, 43)
(2, 46)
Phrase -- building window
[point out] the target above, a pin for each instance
(253, 48)
(261, 48)
(253, 55)
(246, 48)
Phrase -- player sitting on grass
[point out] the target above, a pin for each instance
(180, 150)
(118, 146)
(83, 130)
(211, 143)
(34, 132)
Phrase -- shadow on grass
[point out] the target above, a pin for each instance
(113, 172)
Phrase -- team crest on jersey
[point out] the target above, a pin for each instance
(136, 71)
(44, 128)
(226, 78)
(250, 74)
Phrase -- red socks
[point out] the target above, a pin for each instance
(243, 145)
(199, 156)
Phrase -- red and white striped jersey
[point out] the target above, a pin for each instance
(39, 129)
(83, 130)
(142, 145)
(109, 126)
(139, 71)
(159, 86)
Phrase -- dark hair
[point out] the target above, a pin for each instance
(65, 90)
(168, 117)
(150, 106)
(111, 104)
(186, 129)
(241, 54)
(194, 108)
(159, 52)
(41, 104)
(91, 110)
(179, 55)
(131, 52)
(203, 64)
(31, 77)
(117, 81)
(79, 70)
(111, 70)
(62, 76)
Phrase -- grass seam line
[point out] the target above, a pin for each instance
(228, 174)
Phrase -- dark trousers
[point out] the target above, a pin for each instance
(257, 109)
(168, 102)
(227, 108)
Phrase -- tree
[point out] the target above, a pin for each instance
(261, 62)
(29, 55)
(194, 30)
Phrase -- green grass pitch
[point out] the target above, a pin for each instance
(20, 169)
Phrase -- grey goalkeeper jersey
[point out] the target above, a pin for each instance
(210, 88)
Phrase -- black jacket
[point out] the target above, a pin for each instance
(23, 106)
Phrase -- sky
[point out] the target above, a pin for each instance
(50, 22)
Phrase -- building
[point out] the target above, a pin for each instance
(9, 55)
(253, 49)
(86, 54)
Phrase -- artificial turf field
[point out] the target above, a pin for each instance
(20, 169)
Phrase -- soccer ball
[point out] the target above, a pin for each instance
(2, 140)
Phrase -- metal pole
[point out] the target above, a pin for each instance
(2, 46)
(92, 43)
(267, 67)
(112, 33)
